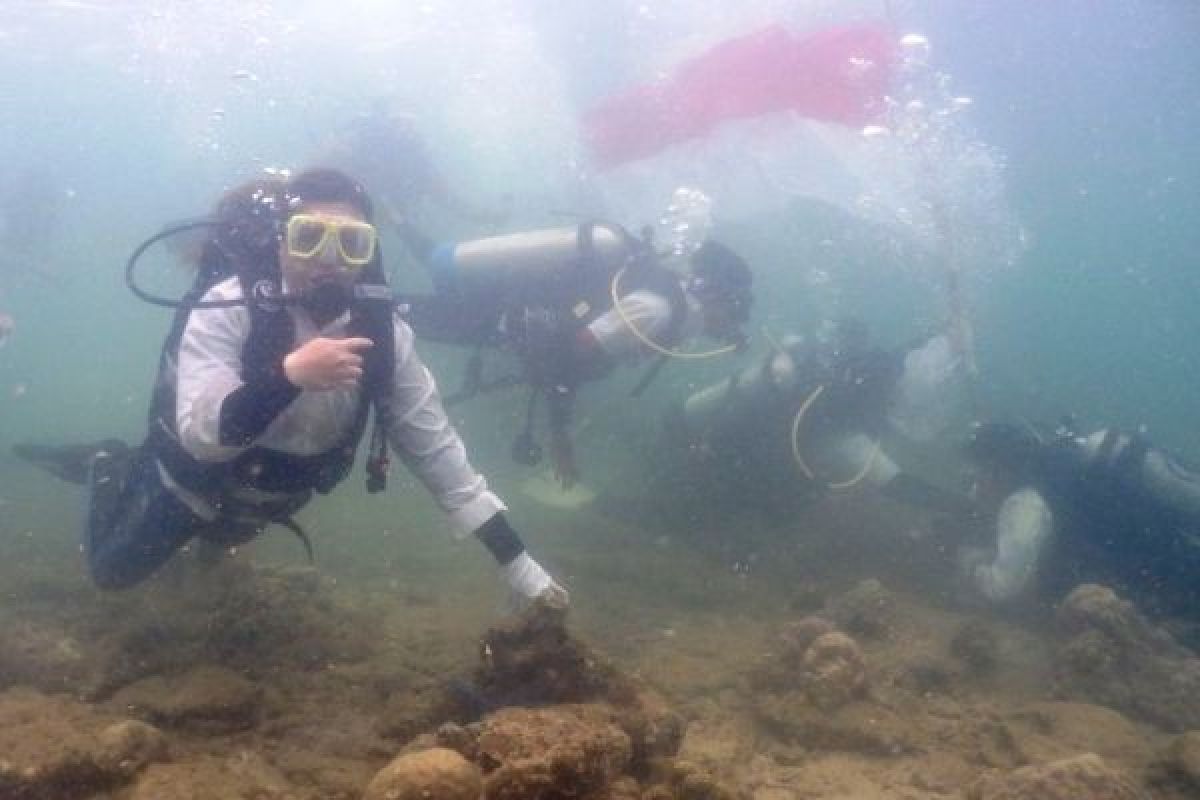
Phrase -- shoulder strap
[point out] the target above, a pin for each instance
(374, 318)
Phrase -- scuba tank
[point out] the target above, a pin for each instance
(546, 268)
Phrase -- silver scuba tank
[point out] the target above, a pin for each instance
(525, 263)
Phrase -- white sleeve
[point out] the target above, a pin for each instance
(209, 369)
(428, 444)
(846, 457)
(1024, 526)
(649, 312)
(931, 391)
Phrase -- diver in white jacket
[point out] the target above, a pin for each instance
(287, 343)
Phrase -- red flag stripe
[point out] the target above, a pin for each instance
(835, 75)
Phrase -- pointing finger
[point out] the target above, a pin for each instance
(357, 343)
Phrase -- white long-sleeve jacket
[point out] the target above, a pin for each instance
(209, 369)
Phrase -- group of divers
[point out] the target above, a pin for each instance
(290, 349)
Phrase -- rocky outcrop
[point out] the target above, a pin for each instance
(53, 747)
(543, 754)
(435, 773)
(532, 660)
(206, 699)
(812, 690)
(1111, 655)
(835, 672)
(548, 718)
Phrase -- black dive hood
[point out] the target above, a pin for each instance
(265, 292)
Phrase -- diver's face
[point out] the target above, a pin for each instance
(304, 268)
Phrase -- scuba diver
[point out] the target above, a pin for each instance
(815, 409)
(7, 326)
(1106, 507)
(284, 347)
(572, 304)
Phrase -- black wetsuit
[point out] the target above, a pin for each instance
(1110, 528)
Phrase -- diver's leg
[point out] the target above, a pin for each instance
(68, 462)
(1024, 526)
(134, 524)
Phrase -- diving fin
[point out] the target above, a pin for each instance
(544, 489)
(68, 462)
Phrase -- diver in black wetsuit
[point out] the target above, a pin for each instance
(1107, 507)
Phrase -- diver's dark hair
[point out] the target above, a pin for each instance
(324, 185)
(246, 229)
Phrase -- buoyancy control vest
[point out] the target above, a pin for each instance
(271, 338)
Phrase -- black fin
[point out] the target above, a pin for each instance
(67, 462)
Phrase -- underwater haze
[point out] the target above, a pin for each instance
(1029, 184)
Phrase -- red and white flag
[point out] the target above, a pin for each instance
(748, 120)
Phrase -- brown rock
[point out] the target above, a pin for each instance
(835, 671)
(544, 754)
(1049, 731)
(1112, 656)
(244, 775)
(1086, 776)
(654, 730)
(53, 747)
(436, 774)
(204, 699)
(126, 747)
(533, 660)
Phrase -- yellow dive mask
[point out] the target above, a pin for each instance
(308, 235)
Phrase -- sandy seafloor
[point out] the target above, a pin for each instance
(329, 665)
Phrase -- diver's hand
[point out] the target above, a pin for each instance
(562, 453)
(321, 363)
(529, 582)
